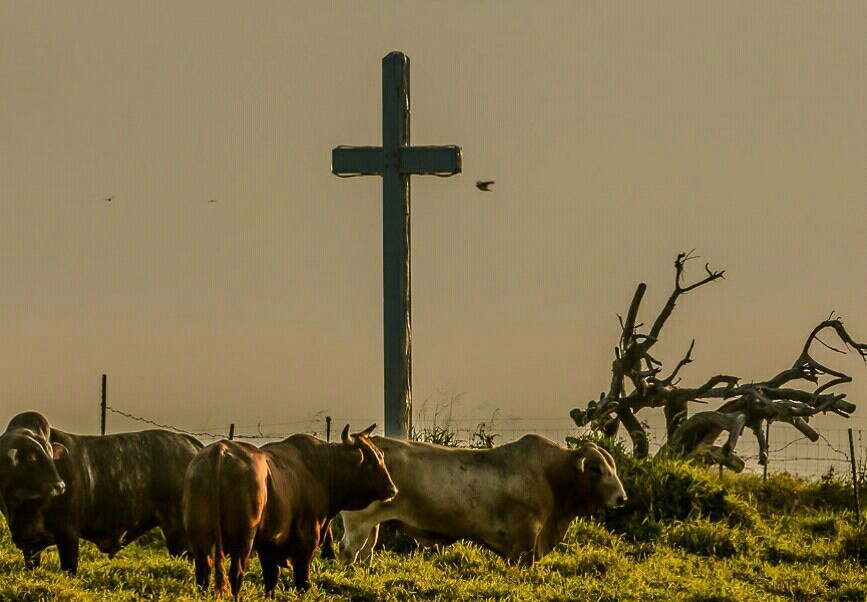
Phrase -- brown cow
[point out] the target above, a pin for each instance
(278, 499)
(56, 487)
(517, 500)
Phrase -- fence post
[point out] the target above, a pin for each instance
(231, 431)
(102, 407)
(854, 478)
(768, 455)
(328, 429)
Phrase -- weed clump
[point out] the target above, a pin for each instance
(705, 538)
(663, 490)
(785, 493)
(822, 526)
(667, 490)
(854, 545)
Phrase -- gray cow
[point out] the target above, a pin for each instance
(517, 500)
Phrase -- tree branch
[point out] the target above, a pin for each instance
(752, 404)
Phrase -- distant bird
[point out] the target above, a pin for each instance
(109, 199)
(484, 185)
(213, 201)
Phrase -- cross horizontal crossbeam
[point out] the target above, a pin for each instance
(413, 160)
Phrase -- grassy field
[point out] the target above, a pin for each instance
(685, 535)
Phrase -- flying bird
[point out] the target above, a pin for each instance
(109, 199)
(213, 201)
(484, 185)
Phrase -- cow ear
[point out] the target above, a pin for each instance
(58, 451)
(13, 456)
(360, 457)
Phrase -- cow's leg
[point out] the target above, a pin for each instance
(220, 585)
(67, 549)
(326, 543)
(202, 559)
(32, 559)
(236, 577)
(203, 548)
(550, 536)
(238, 568)
(301, 559)
(366, 551)
(521, 556)
(270, 561)
(523, 549)
(176, 541)
(526, 559)
(357, 529)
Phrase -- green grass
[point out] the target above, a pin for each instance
(687, 536)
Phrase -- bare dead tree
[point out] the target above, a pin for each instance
(637, 383)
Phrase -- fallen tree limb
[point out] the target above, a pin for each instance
(637, 383)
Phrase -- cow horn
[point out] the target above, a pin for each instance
(346, 437)
(607, 455)
(581, 456)
(39, 440)
(366, 432)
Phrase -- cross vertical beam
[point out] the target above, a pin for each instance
(396, 290)
(396, 161)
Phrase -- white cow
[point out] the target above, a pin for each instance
(516, 500)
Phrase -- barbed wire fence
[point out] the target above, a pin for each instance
(788, 450)
(207, 434)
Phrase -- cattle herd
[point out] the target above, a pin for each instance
(231, 498)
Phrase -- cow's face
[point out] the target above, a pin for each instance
(369, 480)
(599, 475)
(27, 470)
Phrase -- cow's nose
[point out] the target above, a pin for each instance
(59, 488)
(619, 501)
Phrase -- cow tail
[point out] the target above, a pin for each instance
(219, 570)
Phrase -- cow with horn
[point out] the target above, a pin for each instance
(517, 499)
(57, 488)
(278, 500)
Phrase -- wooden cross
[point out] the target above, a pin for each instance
(396, 161)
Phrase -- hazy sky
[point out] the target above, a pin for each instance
(618, 134)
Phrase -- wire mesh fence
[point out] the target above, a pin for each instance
(789, 451)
